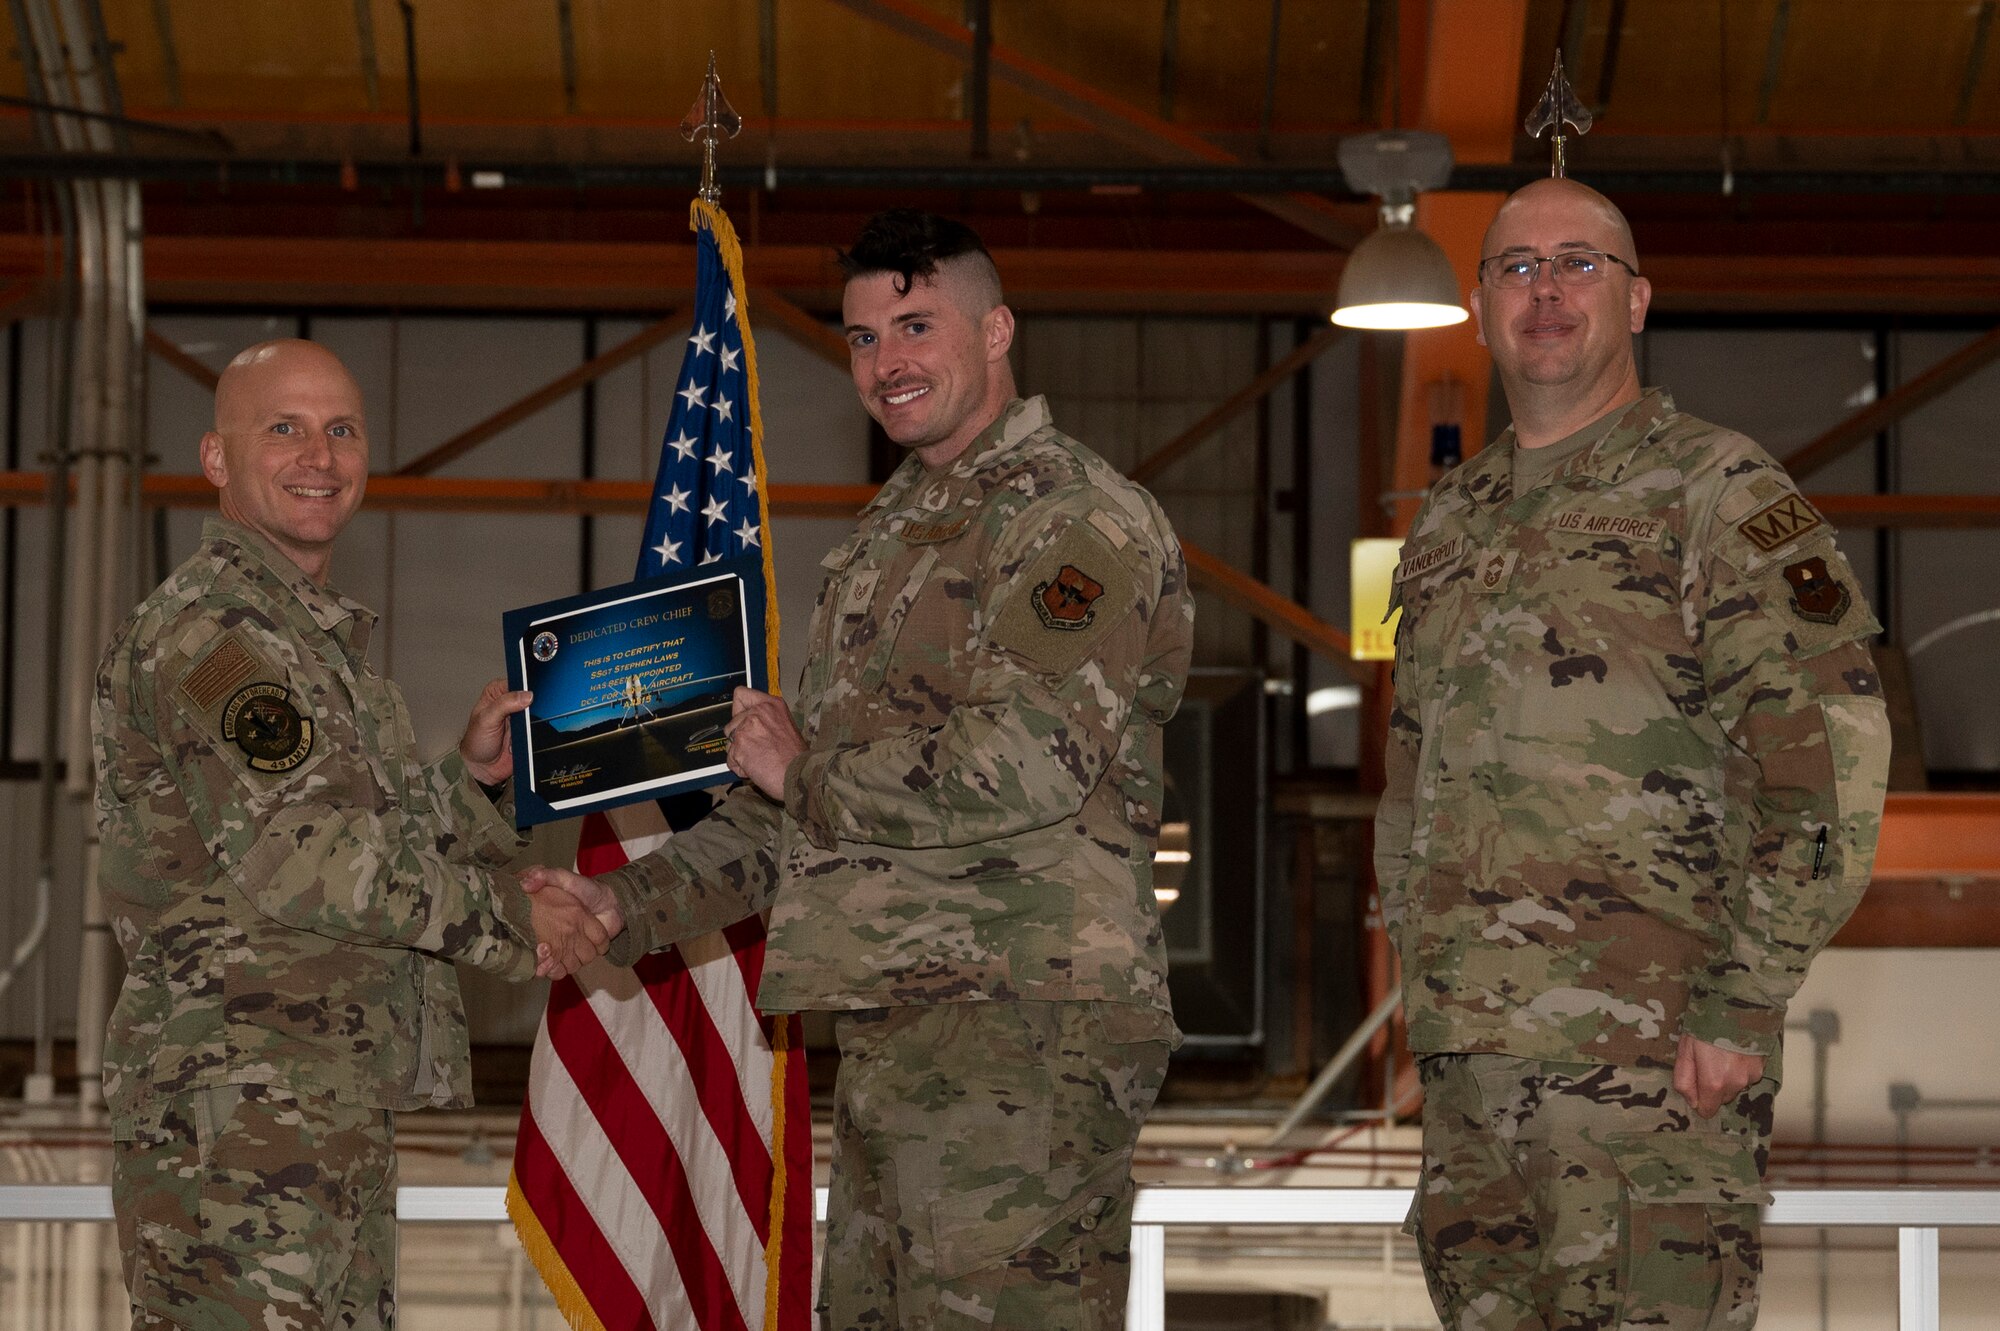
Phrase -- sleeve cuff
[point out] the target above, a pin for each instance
(1740, 1025)
(636, 939)
(483, 824)
(808, 801)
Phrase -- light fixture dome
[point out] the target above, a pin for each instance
(1398, 278)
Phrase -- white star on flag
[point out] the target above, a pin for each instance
(719, 460)
(723, 407)
(747, 533)
(693, 394)
(676, 499)
(729, 361)
(750, 482)
(712, 557)
(669, 551)
(702, 341)
(684, 445)
(729, 305)
(715, 510)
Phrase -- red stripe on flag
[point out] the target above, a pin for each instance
(713, 1072)
(746, 941)
(589, 1259)
(598, 849)
(635, 1132)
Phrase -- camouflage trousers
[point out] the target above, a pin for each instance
(1580, 1197)
(254, 1208)
(982, 1165)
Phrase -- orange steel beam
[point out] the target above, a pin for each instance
(169, 351)
(590, 275)
(1937, 875)
(1954, 835)
(1287, 617)
(1471, 79)
(460, 494)
(1879, 415)
(768, 307)
(1116, 119)
(1241, 401)
(547, 395)
(15, 298)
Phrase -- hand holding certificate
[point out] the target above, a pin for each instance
(632, 687)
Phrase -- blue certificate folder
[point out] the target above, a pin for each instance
(632, 687)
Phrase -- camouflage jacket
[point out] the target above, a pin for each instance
(993, 653)
(288, 883)
(1637, 754)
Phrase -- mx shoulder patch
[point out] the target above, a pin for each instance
(1781, 522)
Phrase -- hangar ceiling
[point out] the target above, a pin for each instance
(1788, 129)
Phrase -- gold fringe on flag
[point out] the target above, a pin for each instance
(541, 1250)
(784, 1058)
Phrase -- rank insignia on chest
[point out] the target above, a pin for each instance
(1493, 569)
(1066, 600)
(261, 720)
(1817, 596)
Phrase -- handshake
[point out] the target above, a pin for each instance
(575, 919)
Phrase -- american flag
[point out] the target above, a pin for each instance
(663, 1167)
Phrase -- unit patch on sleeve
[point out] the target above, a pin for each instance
(1077, 589)
(261, 720)
(1817, 596)
(1780, 523)
(1067, 600)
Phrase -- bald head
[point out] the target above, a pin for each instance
(289, 451)
(1597, 220)
(256, 371)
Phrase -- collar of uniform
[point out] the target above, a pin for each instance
(1489, 478)
(918, 487)
(283, 580)
(1607, 459)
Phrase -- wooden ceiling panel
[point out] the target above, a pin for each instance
(834, 64)
(252, 58)
(1862, 64)
(643, 58)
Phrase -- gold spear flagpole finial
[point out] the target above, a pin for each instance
(1558, 105)
(709, 119)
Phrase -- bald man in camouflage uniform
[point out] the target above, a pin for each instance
(290, 886)
(1636, 769)
(953, 828)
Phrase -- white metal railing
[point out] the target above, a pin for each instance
(1917, 1214)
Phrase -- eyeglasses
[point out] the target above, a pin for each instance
(1571, 268)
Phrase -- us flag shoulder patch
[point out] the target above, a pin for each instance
(221, 670)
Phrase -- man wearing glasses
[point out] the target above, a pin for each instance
(1635, 776)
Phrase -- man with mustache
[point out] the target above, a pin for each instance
(1636, 768)
(290, 886)
(953, 826)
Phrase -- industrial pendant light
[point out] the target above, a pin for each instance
(1397, 277)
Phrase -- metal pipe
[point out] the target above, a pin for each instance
(1337, 1067)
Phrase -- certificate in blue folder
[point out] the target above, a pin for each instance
(632, 687)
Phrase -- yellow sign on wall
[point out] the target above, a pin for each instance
(1372, 571)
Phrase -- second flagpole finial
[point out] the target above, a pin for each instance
(1557, 107)
(709, 119)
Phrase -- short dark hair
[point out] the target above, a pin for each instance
(910, 244)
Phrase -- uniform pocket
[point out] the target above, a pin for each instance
(1688, 1205)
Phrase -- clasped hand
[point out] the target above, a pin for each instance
(575, 919)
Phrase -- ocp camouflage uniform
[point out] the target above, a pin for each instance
(962, 867)
(290, 887)
(1635, 777)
